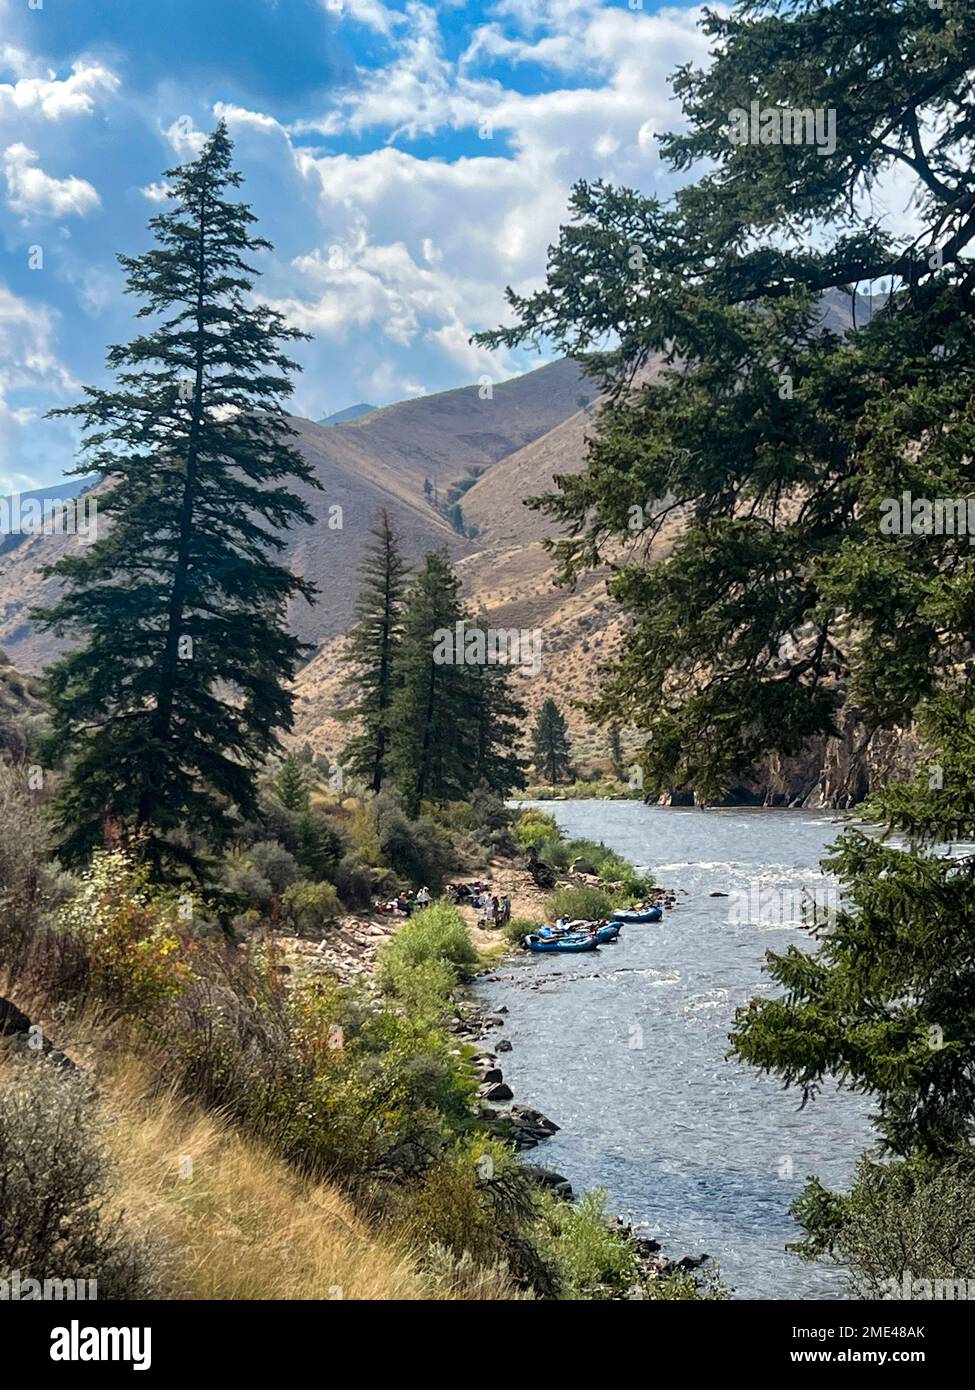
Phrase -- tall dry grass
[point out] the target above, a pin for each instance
(243, 1225)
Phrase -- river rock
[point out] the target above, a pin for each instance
(582, 866)
(499, 1090)
(546, 1177)
(504, 1045)
(717, 894)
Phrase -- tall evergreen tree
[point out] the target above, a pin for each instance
(796, 586)
(434, 716)
(550, 744)
(372, 652)
(498, 715)
(179, 685)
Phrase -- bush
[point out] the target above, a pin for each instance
(913, 1218)
(28, 887)
(134, 937)
(438, 934)
(274, 863)
(356, 883)
(593, 1261)
(419, 851)
(592, 904)
(320, 845)
(478, 1203)
(613, 869)
(517, 929)
(536, 828)
(310, 907)
(364, 845)
(424, 988)
(252, 891)
(54, 1180)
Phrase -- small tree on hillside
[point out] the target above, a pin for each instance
(371, 654)
(292, 784)
(616, 753)
(550, 744)
(434, 716)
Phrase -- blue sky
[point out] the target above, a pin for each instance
(407, 160)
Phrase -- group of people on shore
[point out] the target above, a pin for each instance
(492, 910)
(406, 902)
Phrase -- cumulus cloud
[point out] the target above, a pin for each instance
(50, 96)
(32, 193)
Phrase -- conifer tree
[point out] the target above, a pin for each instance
(434, 716)
(178, 686)
(550, 744)
(616, 753)
(799, 582)
(292, 784)
(498, 715)
(372, 652)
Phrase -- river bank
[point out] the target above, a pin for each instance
(349, 950)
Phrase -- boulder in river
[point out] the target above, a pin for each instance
(498, 1090)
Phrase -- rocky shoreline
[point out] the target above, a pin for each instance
(526, 1128)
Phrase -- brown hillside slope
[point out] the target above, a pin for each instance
(379, 461)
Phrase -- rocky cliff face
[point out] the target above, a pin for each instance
(836, 773)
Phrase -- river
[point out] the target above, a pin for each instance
(625, 1048)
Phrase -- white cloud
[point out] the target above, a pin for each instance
(157, 192)
(370, 13)
(28, 361)
(50, 96)
(185, 139)
(32, 193)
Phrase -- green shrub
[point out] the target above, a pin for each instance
(310, 907)
(424, 988)
(478, 1202)
(593, 1261)
(438, 933)
(29, 887)
(613, 869)
(420, 851)
(320, 845)
(134, 937)
(913, 1218)
(54, 1177)
(534, 827)
(251, 890)
(274, 863)
(590, 903)
(517, 929)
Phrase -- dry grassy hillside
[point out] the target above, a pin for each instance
(381, 460)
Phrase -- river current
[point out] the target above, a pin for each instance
(625, 1048)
